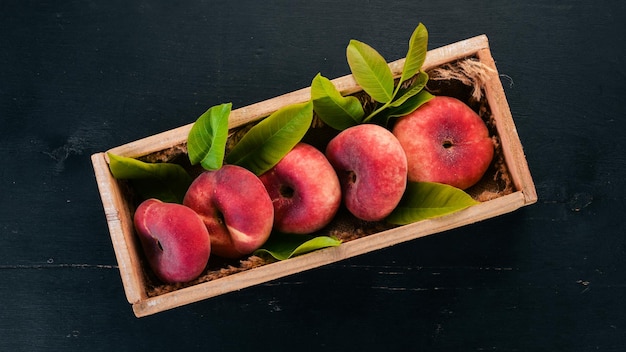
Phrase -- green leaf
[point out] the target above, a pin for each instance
(164, 181)
(335, 110)
(416, 87)
(284, 246)
(418, 46)
(370, 71)
(207, 138)
(425, 200)
(410, 105)
(270, 140)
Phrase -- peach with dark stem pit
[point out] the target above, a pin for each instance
(445, 141)
(235, 207)
(372, 169)
(174, 239)
(304, 189)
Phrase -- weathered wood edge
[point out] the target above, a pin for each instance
(327, 256)
(119, 222)
(507, 131)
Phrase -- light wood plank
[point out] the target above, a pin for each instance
(121, 230)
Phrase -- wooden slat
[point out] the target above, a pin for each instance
(121, 230)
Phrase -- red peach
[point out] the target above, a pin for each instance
(235, 208)
(174, 239)
(372, 169)
(305, 190)
(445, 141)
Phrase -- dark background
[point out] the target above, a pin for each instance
(79, 77)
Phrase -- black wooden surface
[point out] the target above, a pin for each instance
(78, 77)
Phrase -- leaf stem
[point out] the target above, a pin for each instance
(375, 112)
(387, 104)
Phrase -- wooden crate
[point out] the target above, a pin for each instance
(128, 253)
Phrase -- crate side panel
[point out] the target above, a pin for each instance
(511, 144)
(119, 222)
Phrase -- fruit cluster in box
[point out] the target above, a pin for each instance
(329, 167)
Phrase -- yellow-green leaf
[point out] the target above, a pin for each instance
(165, 181)
(284, 246)
(270, 140)
(370, 71)
(418, 46)
(407, 107)
(335, 110)
(206, 141)
(403, 95)
(425, 200)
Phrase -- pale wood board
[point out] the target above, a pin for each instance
(119, 217)
(509, 138)
(119, 220)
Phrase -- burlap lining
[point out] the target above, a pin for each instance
(463, 79)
